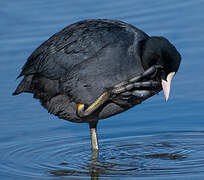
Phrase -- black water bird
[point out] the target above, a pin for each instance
(94, 69)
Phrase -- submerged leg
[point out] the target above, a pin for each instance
(94, 136)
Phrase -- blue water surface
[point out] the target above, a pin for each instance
(154, 140)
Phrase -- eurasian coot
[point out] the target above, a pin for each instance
(94, 69)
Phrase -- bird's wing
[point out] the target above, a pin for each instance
(115, 59)
(77, 43)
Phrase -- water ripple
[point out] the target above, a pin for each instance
(161, 154)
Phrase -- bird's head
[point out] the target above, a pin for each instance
(159, 51)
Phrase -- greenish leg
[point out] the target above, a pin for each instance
(94, 136)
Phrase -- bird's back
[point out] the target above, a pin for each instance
(77, 43)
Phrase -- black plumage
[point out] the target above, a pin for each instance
(76, 65)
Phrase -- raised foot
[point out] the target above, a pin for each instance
(134, 86)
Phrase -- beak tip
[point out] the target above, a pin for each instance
(166, 96)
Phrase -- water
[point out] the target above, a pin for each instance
(155, 140)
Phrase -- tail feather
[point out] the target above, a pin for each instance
(24, 86)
